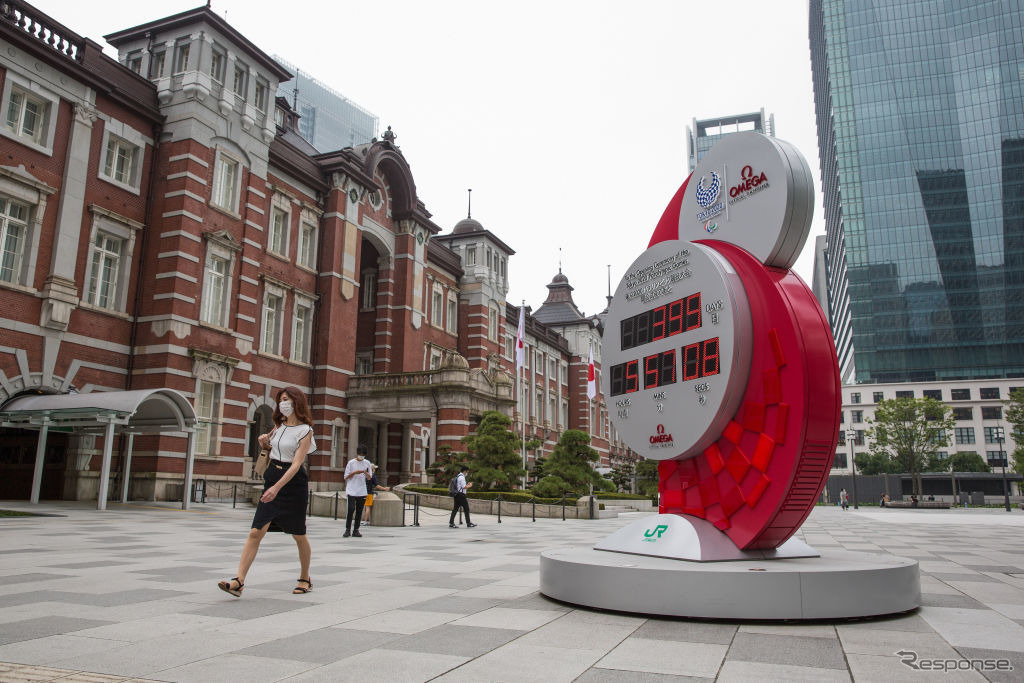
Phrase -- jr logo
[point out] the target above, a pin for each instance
(652, 535)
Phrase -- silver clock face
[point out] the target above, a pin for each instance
(676, 350)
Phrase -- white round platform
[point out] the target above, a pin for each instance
(838, 584)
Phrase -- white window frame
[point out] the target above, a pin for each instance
(182, 50)
(240, 77)
(261, 95)
(116, 132)
(368, 290)
(18, 186)
(305, 256)
(208, 417)
(157, 58)
(217, 74)
(471, 255)
(218, 247)
(302, 347)
(453, 313)
(43, 140)
(437, 305)
(280, 210)
(102, 279)
(338, 450)
(493, 318)
(125, 230)
(270, 291)
(436, 358)
(364, 361)
(218, 194)
(9, 224)
(134, 61)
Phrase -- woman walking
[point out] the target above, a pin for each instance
(282, 506)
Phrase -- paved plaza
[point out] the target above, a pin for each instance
(131, 593)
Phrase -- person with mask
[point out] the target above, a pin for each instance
(357, 473)
(282, 506)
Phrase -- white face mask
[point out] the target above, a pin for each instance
(286, 408)
(359, 458)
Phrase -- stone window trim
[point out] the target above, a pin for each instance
(368, 290)
(19, 185)
(230, 207)
(220, 244)
(14, 81)
(274, 287)
(308, 302)
(437, 306)
(118, 129)
(308, 219)
(339, 434)
(124, 229)
(452, 324)
(216, 369)
(279, 203)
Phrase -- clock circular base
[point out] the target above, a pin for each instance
(837, 585)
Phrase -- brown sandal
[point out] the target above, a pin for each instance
(226, 587)
(299, 590)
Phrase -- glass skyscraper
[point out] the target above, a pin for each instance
(702, 135)
(920, 114)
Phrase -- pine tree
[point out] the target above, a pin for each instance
(572, 462)
(496, 463)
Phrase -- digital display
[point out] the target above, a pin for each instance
(681, 315)
(660, 369)
(700, 359)
(624, 378)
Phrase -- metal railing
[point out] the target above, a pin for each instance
(415, 508)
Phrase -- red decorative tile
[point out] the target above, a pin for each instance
(772, 386)
(781, 417)
(737, 464)
(763, 452)
(733, 431)
(773, 338)
(714, 457)
(753, 416)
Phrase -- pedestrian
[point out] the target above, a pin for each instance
(357, 473)
(460, 498)
(371, 487)
(881, 501)
(282, 506)
(844, 499)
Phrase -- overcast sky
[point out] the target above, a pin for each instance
(567, 119)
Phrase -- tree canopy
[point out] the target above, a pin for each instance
(1015, 416)
(446, 465)
(910, 432)
(496, 463)
(968, 461)
(572, 462)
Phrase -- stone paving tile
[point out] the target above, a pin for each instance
(30, 578)
(508, 618)
(994, 663)
(596, 675)
(981, 578)
(30, 629)
(958, 600)
(51, 649)
(791, 650)
(665, 657)
(383, 665)
(791, 629)
(321, 646)
(686, 631)
(885, 669)
(458, 604)
(743, 672)
(401, 621)
(463, 641)
(975, 628)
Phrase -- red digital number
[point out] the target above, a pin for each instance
(692, 312)
(675, 317)
(658, 323)
(710, 357)
(632, 379)
(691, 361)
(651, 367)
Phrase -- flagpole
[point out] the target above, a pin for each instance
(520, 362)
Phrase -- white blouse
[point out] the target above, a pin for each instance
(285, 441)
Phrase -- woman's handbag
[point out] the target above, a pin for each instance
(262, 462)
(263, 459)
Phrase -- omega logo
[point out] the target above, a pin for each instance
(661, 439)
(749, 182)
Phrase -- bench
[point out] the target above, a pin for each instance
(931, 504)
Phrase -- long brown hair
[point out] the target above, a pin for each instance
(298, 401)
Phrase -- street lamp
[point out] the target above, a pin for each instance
(851, 436)
(1002, 460)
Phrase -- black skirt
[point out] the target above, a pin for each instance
(287, 512)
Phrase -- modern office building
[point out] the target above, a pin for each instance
(702, 135)
(327, 119)
(173, 254)
(920, 116)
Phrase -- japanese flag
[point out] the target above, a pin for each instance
(520, 340)
(591, 376)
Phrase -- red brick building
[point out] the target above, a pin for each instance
(164, 226)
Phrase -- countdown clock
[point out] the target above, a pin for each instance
(718, 360)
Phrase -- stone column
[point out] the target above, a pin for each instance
(353, 436)
(382, 451)
(432, 455)
(406, 472)
(60, 294)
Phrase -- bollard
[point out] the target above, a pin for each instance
(499, 508)
(335, 506)
(533, 501)
(234, 488)
(460, 515)
(592, 506)
(563, 507)
(415, 511)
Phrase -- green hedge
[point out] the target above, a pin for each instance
(620, 496)
(510, 496)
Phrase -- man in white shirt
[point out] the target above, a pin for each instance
(357, 472)
(460, 498)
